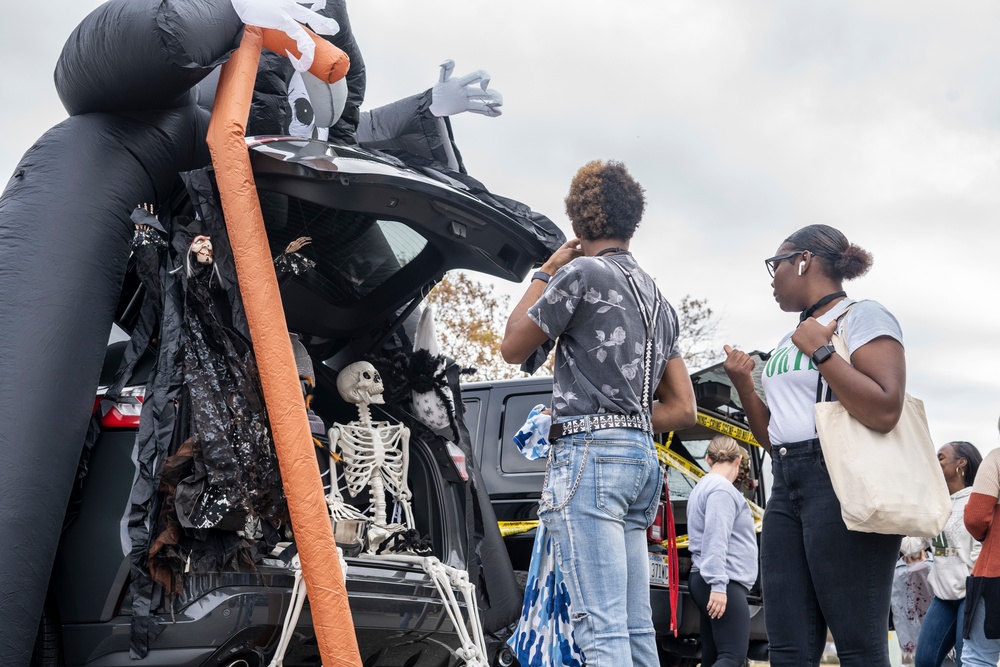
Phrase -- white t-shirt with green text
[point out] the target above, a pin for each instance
(790, 377)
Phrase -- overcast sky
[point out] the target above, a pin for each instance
(744, 120)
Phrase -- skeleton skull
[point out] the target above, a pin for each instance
(201, 248)
(360, 383)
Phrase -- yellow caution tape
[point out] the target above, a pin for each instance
(508, 528)
(670, 458)
(725, 428)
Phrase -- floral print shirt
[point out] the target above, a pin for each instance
(590, 308)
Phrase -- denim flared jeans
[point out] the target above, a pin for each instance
(600, 497)
(816, 573)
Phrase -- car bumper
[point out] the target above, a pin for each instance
(399, 618)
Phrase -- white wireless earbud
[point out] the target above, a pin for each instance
(802, 265)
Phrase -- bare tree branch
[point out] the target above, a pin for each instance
(470, 320)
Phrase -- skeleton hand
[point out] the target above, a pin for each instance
(453, 96)
(298, 244)
(341, 511)
(148, 229)
(286, 16)
(143, 212)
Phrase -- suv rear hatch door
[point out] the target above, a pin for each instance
(382, 233)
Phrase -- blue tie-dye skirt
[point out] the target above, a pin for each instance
(544, 634)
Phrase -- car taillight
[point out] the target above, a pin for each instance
(458, 458)
(657, 532)
(125, 412)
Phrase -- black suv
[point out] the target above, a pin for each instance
(413, 228)
(494, 411)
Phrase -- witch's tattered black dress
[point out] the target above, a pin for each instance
(208, 495)
(223, 477)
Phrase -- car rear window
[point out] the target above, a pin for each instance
(355, 253)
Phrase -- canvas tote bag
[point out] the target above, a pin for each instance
(889, 483)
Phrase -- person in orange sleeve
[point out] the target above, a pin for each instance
(982, 607)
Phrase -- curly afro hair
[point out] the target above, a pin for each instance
(605, 202)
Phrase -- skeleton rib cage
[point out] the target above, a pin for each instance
(371, 451)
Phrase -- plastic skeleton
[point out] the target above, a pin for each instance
(376, 455)
(372, 454)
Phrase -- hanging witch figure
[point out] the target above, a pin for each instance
(219, 484)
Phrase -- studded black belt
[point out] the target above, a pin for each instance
(597, 422)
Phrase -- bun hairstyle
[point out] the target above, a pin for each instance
(967, 451)
(605, 202)
(842, 259)
(723, 449)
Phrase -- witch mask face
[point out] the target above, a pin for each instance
(201, 248)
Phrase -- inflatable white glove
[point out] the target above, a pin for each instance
(453, 96)
(287, 16)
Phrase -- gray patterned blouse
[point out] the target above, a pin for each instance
(590, 308)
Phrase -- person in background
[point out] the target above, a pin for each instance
(618, 379)
(982, 599)
(815, 572)
(723, 547)
(955, 552)
(911, 597)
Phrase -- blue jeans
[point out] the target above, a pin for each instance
(817, 574)
(940, 631)
(601, 495)
(978, 651)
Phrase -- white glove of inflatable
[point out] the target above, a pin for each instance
(286, 16)
(453, 96)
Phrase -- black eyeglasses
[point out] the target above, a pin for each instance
(772, 262)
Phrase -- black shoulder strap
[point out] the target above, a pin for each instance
(649, 319)
(819, 383)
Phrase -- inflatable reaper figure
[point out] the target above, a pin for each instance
(138, 79)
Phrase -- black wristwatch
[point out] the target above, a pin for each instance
(823, 353)
(540, 275)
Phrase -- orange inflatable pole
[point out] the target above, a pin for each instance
(331, 613)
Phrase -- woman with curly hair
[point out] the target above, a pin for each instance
(815, 572)
(619, 378)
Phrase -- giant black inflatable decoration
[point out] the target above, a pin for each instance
(138, 79)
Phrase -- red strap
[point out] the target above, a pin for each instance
(673, 575)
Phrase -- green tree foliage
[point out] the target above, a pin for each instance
(469, 320)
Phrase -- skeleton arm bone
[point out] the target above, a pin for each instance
(405, 495)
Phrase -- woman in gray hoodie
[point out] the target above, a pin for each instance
(723, 547)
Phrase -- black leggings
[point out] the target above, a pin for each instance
(724, 640)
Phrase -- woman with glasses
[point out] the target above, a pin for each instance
(817, 574)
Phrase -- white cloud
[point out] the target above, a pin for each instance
(744, 121)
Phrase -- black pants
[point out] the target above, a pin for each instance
(816, 573)
(724, 640)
